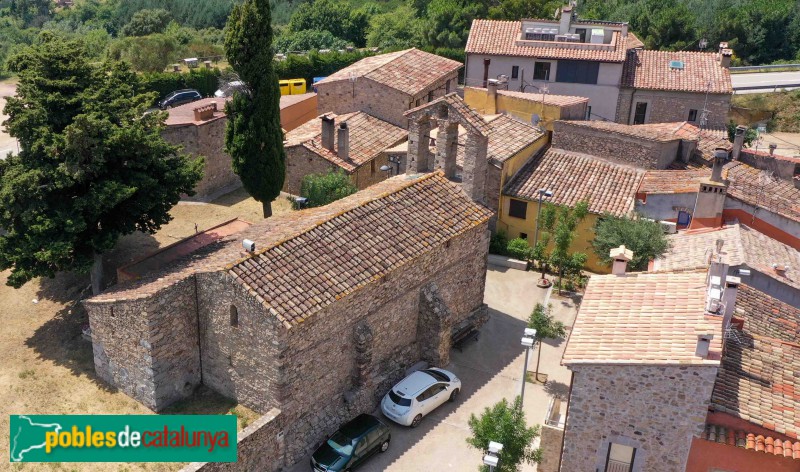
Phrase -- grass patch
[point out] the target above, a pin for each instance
(784, 107)
(28, 373)
(530, 377)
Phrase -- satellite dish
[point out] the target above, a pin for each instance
(535, 119)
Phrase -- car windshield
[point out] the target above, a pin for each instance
(397, 399)
(437, 375)
(341, 443)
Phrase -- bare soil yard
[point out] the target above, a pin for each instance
(47, 367)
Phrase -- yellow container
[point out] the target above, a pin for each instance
(286, 88)
(298, 86)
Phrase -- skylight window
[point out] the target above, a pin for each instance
(676, 65)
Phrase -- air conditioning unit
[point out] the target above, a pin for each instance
(669, 227)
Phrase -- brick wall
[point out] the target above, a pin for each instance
(151, 357)
(641, 152)
(379, 100)
(669, 106)
(207, 140)
(656, 409)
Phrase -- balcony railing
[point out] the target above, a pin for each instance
(617, 466)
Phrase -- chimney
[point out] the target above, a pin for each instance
(703, 344)
(327, 132)
(720, 156)
(722, 46)
(725, 58)
(491, 99)
(738, 141)
(729, 298)
(205, 112)
(343, 146)
(566, 19)
(621, 256)
(772, 148)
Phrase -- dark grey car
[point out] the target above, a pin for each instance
(179, 97)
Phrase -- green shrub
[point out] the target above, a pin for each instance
(498, 243)
(518, 248)
(206, 81)
(321, 189)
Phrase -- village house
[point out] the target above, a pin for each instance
(608, 187)
(534, 108)
(644, 352)
(387, 85)
(670, 86)
(604, 62)
(353, 143)
(309, 317)
(199, 127)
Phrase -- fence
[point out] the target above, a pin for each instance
(764, 68)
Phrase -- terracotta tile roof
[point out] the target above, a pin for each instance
(369, 136)
(672, 181)
(743, 246)
(316, 256)
(643, 318)
(758, 380)
(651, 70)
(707, 140)
(184, 114)
(507, 138)
(757, 187)
(410, 71)
(663, 132)
(555, 100)
(609, 187)
(470, 117)
(494, 37)
(298, 277)
(753, 442)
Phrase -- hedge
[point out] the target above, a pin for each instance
(206, 81)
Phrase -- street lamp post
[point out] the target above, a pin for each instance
(492, 457)
(528, 340)
(543, 193)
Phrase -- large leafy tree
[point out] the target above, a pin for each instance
(91, 168)
(448, 22)
(505, 424)
(642, 236)
(149, 53)
(395, 29)
(335, 16)
(146, 22)
(253, 137)
(546, 326)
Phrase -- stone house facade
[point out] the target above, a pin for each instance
(643, 370)
(319, 321)
(387, 85)
(353, 143)
(200, 128)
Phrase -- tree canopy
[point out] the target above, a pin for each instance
(146, 22)
(642, 236)
(253, 137)
(321, 189)
(92, 166)
(505, 424)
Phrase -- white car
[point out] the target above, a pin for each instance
(228, 89)
(419, 394)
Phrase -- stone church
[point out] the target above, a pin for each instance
(320, 314)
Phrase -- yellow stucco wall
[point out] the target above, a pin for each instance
(516, 107)
(582, 242)
(515, 163)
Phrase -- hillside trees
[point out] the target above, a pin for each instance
(146, 22)
(253, 136)
(92, 166)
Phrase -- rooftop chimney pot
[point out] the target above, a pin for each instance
(772, 148)
(327, 132)
(621, 256)
(703, 345)
(738, 141)
(725, 58)
(343, 146)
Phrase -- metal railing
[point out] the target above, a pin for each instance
(764, 68)
(617, 466)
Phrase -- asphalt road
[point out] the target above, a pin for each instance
(768, 80)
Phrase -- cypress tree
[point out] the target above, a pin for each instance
(253, 137)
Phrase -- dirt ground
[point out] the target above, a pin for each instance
(47, 367)
(7, 143)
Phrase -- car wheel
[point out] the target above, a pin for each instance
(384, 446)
(454, 395)
(416, 421)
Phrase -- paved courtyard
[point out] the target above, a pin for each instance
(490, 369)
